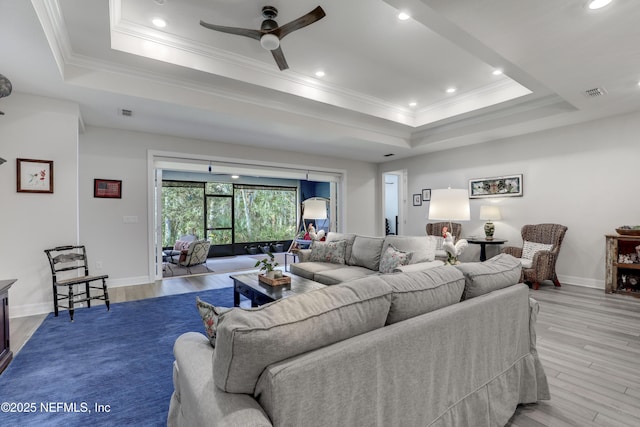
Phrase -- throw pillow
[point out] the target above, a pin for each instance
(180, 245)
(209, 314)
(332, 252)
(392, 258)
(529, 249)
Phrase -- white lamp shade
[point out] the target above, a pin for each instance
(270, 42)
(449, 205)
(315, 209)
(490, 213)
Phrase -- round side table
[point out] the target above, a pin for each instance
(483, 242)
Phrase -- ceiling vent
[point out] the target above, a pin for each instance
(595, 92)
(126, 113)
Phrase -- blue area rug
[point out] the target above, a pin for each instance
(121, 360)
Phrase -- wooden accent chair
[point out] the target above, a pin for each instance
(66, 263)
(539, 253)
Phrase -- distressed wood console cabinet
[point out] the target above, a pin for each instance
(622, 273)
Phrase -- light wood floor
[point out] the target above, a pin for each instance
(589, 344)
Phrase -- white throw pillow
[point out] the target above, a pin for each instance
(529, 249)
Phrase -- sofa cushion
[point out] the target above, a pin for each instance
(331, 252)
(496, 273)
(210, 315)
(422, 247)
(250, 340)
(423, 291)
(344, 274)
(348, 237)
(366, 252)
(393, 258)
(309, 269)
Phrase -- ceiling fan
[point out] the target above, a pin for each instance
(270, 33)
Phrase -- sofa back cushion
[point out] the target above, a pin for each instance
(348, 237)
(250, 340)
(422, 248)
(496, 273)
(420, 292)
(366, 252)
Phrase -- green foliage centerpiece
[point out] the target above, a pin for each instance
(267, 265)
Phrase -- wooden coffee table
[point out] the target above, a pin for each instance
(260, 293)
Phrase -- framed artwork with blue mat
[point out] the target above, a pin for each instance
(106, 368)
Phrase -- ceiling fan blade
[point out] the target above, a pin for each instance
(278, 55)
(253, 34)
(308, 19)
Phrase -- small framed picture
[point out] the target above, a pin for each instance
(107, 188)
(417, 200)
(426, 194)
(34, 176)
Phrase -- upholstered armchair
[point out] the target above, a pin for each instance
(539, 252)
(435, 229)
(195, 254)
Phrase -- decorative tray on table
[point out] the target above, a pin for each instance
(629, 230)
(279, 281)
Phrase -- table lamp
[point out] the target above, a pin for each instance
(489, 213)
(449, 205)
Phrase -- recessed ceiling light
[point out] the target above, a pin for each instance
(413, 104)
(159, 22)
(403, 16)
(597, 4)
(235, 176)
(320, 73)
(451, 90)
(497, 72)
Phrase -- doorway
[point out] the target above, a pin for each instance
(394, 201)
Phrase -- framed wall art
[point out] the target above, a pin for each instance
(499, 186)
(426, 194)
(107, 188)
(34, 176)
(417, 200)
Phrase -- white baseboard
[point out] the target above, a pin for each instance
(47, 307)
(581, 281)
(129, 281)
(30, 309)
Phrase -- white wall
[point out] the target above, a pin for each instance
(583, 176)
(44, 129)
(115, 154)
(41, 128)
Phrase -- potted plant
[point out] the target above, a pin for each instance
(267, 265)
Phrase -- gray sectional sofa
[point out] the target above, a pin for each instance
(397, 349)
(363, 256)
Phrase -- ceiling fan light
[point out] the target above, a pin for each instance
(270, 42)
